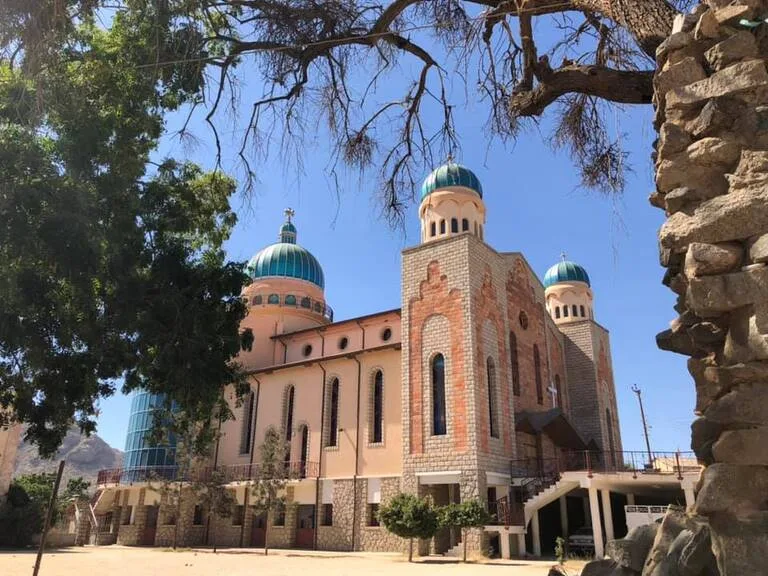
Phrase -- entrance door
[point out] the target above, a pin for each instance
(305, 526)
(259, 530)
(150, 527)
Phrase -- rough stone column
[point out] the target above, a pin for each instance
(712, 181)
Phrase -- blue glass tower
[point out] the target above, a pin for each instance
(140, 453)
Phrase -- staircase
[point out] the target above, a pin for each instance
(455, 552)
(547, 491)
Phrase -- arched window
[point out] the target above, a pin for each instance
(557, 311)
(581, 307)
(273, 299)
(318, 307)
(464, 225)
(377, 426)
(442, 226)
(493, 417)
(432, 228)
(303, 456)
(537, 369)
(481, 231)
(288, 428)
(514, 364)
(558, 391)
(609, 426)
(439, 426)
(247, 432)
(306, 302)
(476, 233)
(290, 300)
(257, 299)
(565, 311)
(575, 311)
(455, 225)
(333, 414)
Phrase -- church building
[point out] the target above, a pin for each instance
(485, 384)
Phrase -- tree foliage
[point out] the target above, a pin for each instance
(113, 271)
(464, 515)
(409, 517)
(216, 498)
(271, 476)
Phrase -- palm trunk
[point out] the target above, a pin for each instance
(410, 550)
(714, 245)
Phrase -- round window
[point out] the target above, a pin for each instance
(307, 349)
(523, 320)
(343, 341)
(386, 334)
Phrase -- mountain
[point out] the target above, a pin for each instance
(84, 456)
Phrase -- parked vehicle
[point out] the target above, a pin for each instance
(582, 542)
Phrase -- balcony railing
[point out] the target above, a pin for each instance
(506, 513)
(606, 462)
(235, 473)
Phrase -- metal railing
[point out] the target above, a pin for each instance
(234, 473)
(606, 462)
(506, 513)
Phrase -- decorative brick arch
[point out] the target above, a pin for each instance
(487, 308)
(435, 297)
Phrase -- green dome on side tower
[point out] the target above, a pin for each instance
(451, 174)
(565, 271)
(286, 259)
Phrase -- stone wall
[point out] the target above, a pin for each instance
(712, 182)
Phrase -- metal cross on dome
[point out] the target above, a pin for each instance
(553, 391)
(289, 213)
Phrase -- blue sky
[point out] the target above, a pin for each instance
(534, 206)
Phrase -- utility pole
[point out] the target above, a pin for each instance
(636, 390)
(48, 517)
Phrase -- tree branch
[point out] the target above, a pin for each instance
(613, 85)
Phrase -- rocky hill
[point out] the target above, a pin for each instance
(85, 456)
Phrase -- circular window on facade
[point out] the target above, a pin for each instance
(307, 349)
(523, 320)
(343, 342)
(386, 334)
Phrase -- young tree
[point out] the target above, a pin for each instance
(409, 517)
(270, 478)
(466, 515)
(218, 500)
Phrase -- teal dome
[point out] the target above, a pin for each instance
(286, 259)
(565, 271)
(451, 174)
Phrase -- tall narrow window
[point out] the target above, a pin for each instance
(439, 427)
(558, 391)
(288, 430)
(493, 417)
(514, 364)
(575, 311)
(245, 437)
(565, 311)
(333, 414)
(304, 434)
(432, 228)
(609, 425)
(537, 368)
(464, 225)
(442, 226)
(455, 225)
(557, 311)
(377, 428)
(476, 232)
(581, 308)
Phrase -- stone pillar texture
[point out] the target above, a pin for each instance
(712, 181)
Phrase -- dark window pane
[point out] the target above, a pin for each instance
(439, 426)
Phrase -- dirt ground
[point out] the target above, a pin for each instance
(123, 561)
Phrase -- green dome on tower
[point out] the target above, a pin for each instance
(286, 259)
(565, 271)
(451, 174)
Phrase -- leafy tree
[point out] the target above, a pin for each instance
(409, 517)
(466, 515)
(270, 478)
(217, 499)
(113, 270)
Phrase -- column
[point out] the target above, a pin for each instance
(597, 529)
(504, 544)
(521, 551)
(535, 535)
(607, 515)
(564, 516)
(630, 499)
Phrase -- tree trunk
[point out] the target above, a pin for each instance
(178, 518)
(464, 542)
(714, 245)
(410, 550)
(266, 530)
